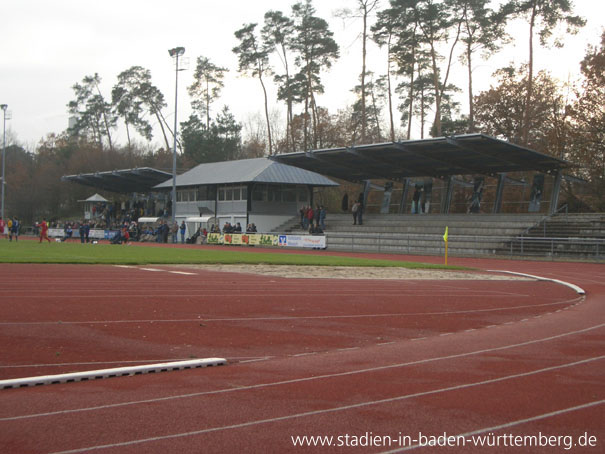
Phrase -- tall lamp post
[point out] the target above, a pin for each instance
(3, 107)
(175, 53)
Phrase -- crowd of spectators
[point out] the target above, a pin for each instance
(313, 220)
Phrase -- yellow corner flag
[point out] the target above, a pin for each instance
(445, 239)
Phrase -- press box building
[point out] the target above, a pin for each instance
(260, 191)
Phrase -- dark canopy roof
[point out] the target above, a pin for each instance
(439, 157)
(141, 179)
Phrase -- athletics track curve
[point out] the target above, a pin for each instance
(306, 358)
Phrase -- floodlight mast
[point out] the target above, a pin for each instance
(175, 53)
(3, 107)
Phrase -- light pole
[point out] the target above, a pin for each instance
(3, 107)
(175, 53)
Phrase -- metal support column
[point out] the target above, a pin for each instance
(499, 192)
(404, 195)
(367, 184)
(554, 197)
(447, 201)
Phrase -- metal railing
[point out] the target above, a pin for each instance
(565, 247)
(543, 221)
(592, 248)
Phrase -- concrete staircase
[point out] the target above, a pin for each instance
(563, 235)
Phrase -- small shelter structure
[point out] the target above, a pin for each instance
(93, 206)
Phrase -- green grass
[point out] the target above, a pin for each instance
(27, 251)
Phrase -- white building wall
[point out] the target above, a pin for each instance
(266, 222)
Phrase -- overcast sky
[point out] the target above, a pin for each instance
(49, 45)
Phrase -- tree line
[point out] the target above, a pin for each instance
(292, 52)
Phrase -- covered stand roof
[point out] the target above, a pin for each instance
(439, 157)
(141, 179)
(258, 170)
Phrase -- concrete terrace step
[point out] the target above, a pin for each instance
(476, 234)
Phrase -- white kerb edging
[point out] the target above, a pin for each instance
(110, 373)
(574, 287)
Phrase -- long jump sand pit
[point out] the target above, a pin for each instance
(355, 272)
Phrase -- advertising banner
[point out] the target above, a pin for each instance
(56, 233)
(96, 234)
(214, 238)
(259, 239)
(304, 241)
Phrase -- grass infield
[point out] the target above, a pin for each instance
(27, 251)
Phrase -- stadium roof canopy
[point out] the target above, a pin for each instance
(258, 170)
(439, 157)
(141, 179)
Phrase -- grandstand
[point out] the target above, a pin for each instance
(528, 235)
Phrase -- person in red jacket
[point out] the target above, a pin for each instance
(310, 216)
(44, 231)
(125, 235)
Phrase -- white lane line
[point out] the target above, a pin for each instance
(574, 287)
(183, 272)
(333, 409)
(150, 269)
(311, 378)
(511, 424)
(311, 317)
(266, 358)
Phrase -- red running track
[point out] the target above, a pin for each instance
(307, 358)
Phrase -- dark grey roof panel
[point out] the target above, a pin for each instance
(438, 157)
(141, 179)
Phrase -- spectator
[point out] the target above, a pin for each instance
(310, 215)
(345, 202)
(175, 231)
(360, 209)
(322, 217)
(416, 200)
(183, 229)
(82, 232)
(125, 235)
(68, 232)
(303, 216)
